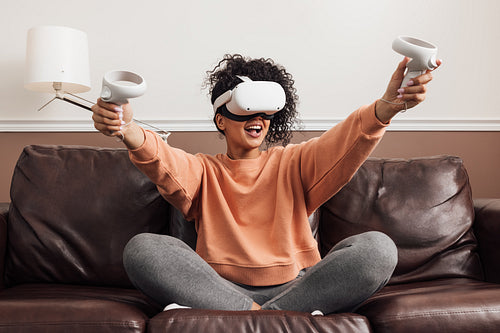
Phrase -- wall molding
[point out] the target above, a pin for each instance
(202, 125)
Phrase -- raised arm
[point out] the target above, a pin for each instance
(330, 161)
(176, 173)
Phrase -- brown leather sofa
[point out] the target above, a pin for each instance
(73, 209)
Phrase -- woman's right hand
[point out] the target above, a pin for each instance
(109, 118)
(115, 121)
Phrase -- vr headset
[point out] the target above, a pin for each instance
(250, 99)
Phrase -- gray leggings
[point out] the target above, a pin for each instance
(169, 271)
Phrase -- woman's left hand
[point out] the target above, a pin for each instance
(411, 95)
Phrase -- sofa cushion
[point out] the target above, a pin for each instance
(487, 231)
(448, 305)
(64, 308)
(195, 321)
(72, 211)
(423, 204)
(4, 209)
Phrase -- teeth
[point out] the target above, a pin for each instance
(255, 127)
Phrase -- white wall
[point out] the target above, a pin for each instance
(338, 51)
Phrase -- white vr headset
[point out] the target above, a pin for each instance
(251, 98)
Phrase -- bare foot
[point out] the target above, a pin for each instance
(255, 306)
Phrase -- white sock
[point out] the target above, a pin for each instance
(174, 306)
(317, 313)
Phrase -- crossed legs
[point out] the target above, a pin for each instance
(168, 270)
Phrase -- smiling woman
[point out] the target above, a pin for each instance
(251, 205)
(224, 77)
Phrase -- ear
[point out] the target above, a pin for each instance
(220, 122)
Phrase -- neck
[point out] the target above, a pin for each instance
(243, 155)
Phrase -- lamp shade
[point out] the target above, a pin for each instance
(57, 54)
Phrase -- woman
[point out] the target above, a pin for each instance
(251, 206)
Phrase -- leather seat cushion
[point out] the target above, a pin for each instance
(190, 320)
(451, 305)
(69, 308)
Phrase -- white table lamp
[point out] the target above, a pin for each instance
(57, 61)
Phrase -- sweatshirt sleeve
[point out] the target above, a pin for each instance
(330, 161)
(176, 173)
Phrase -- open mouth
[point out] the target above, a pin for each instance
(254, 130)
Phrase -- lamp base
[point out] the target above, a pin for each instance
(61, 96)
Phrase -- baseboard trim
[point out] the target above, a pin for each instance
(201, 125)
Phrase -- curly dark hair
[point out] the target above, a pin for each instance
(223, 78)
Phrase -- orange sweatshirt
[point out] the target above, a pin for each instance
(251, 215)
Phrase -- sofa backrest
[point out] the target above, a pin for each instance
(74, 208)
(72, 211)
(423, 204)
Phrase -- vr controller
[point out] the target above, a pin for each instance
(119, 86)
(251, 97)
(423, 56)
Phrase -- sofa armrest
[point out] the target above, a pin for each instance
(4, 211)
(487, 231)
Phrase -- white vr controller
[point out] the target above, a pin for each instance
(250, 97)
(422, 53)
(119, 86)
